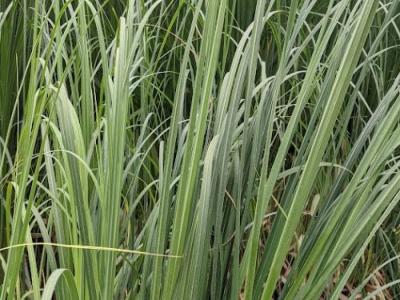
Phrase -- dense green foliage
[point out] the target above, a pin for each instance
(199, 149)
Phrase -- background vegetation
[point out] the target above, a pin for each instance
(199, 149)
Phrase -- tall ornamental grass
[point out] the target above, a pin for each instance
(199, 149)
